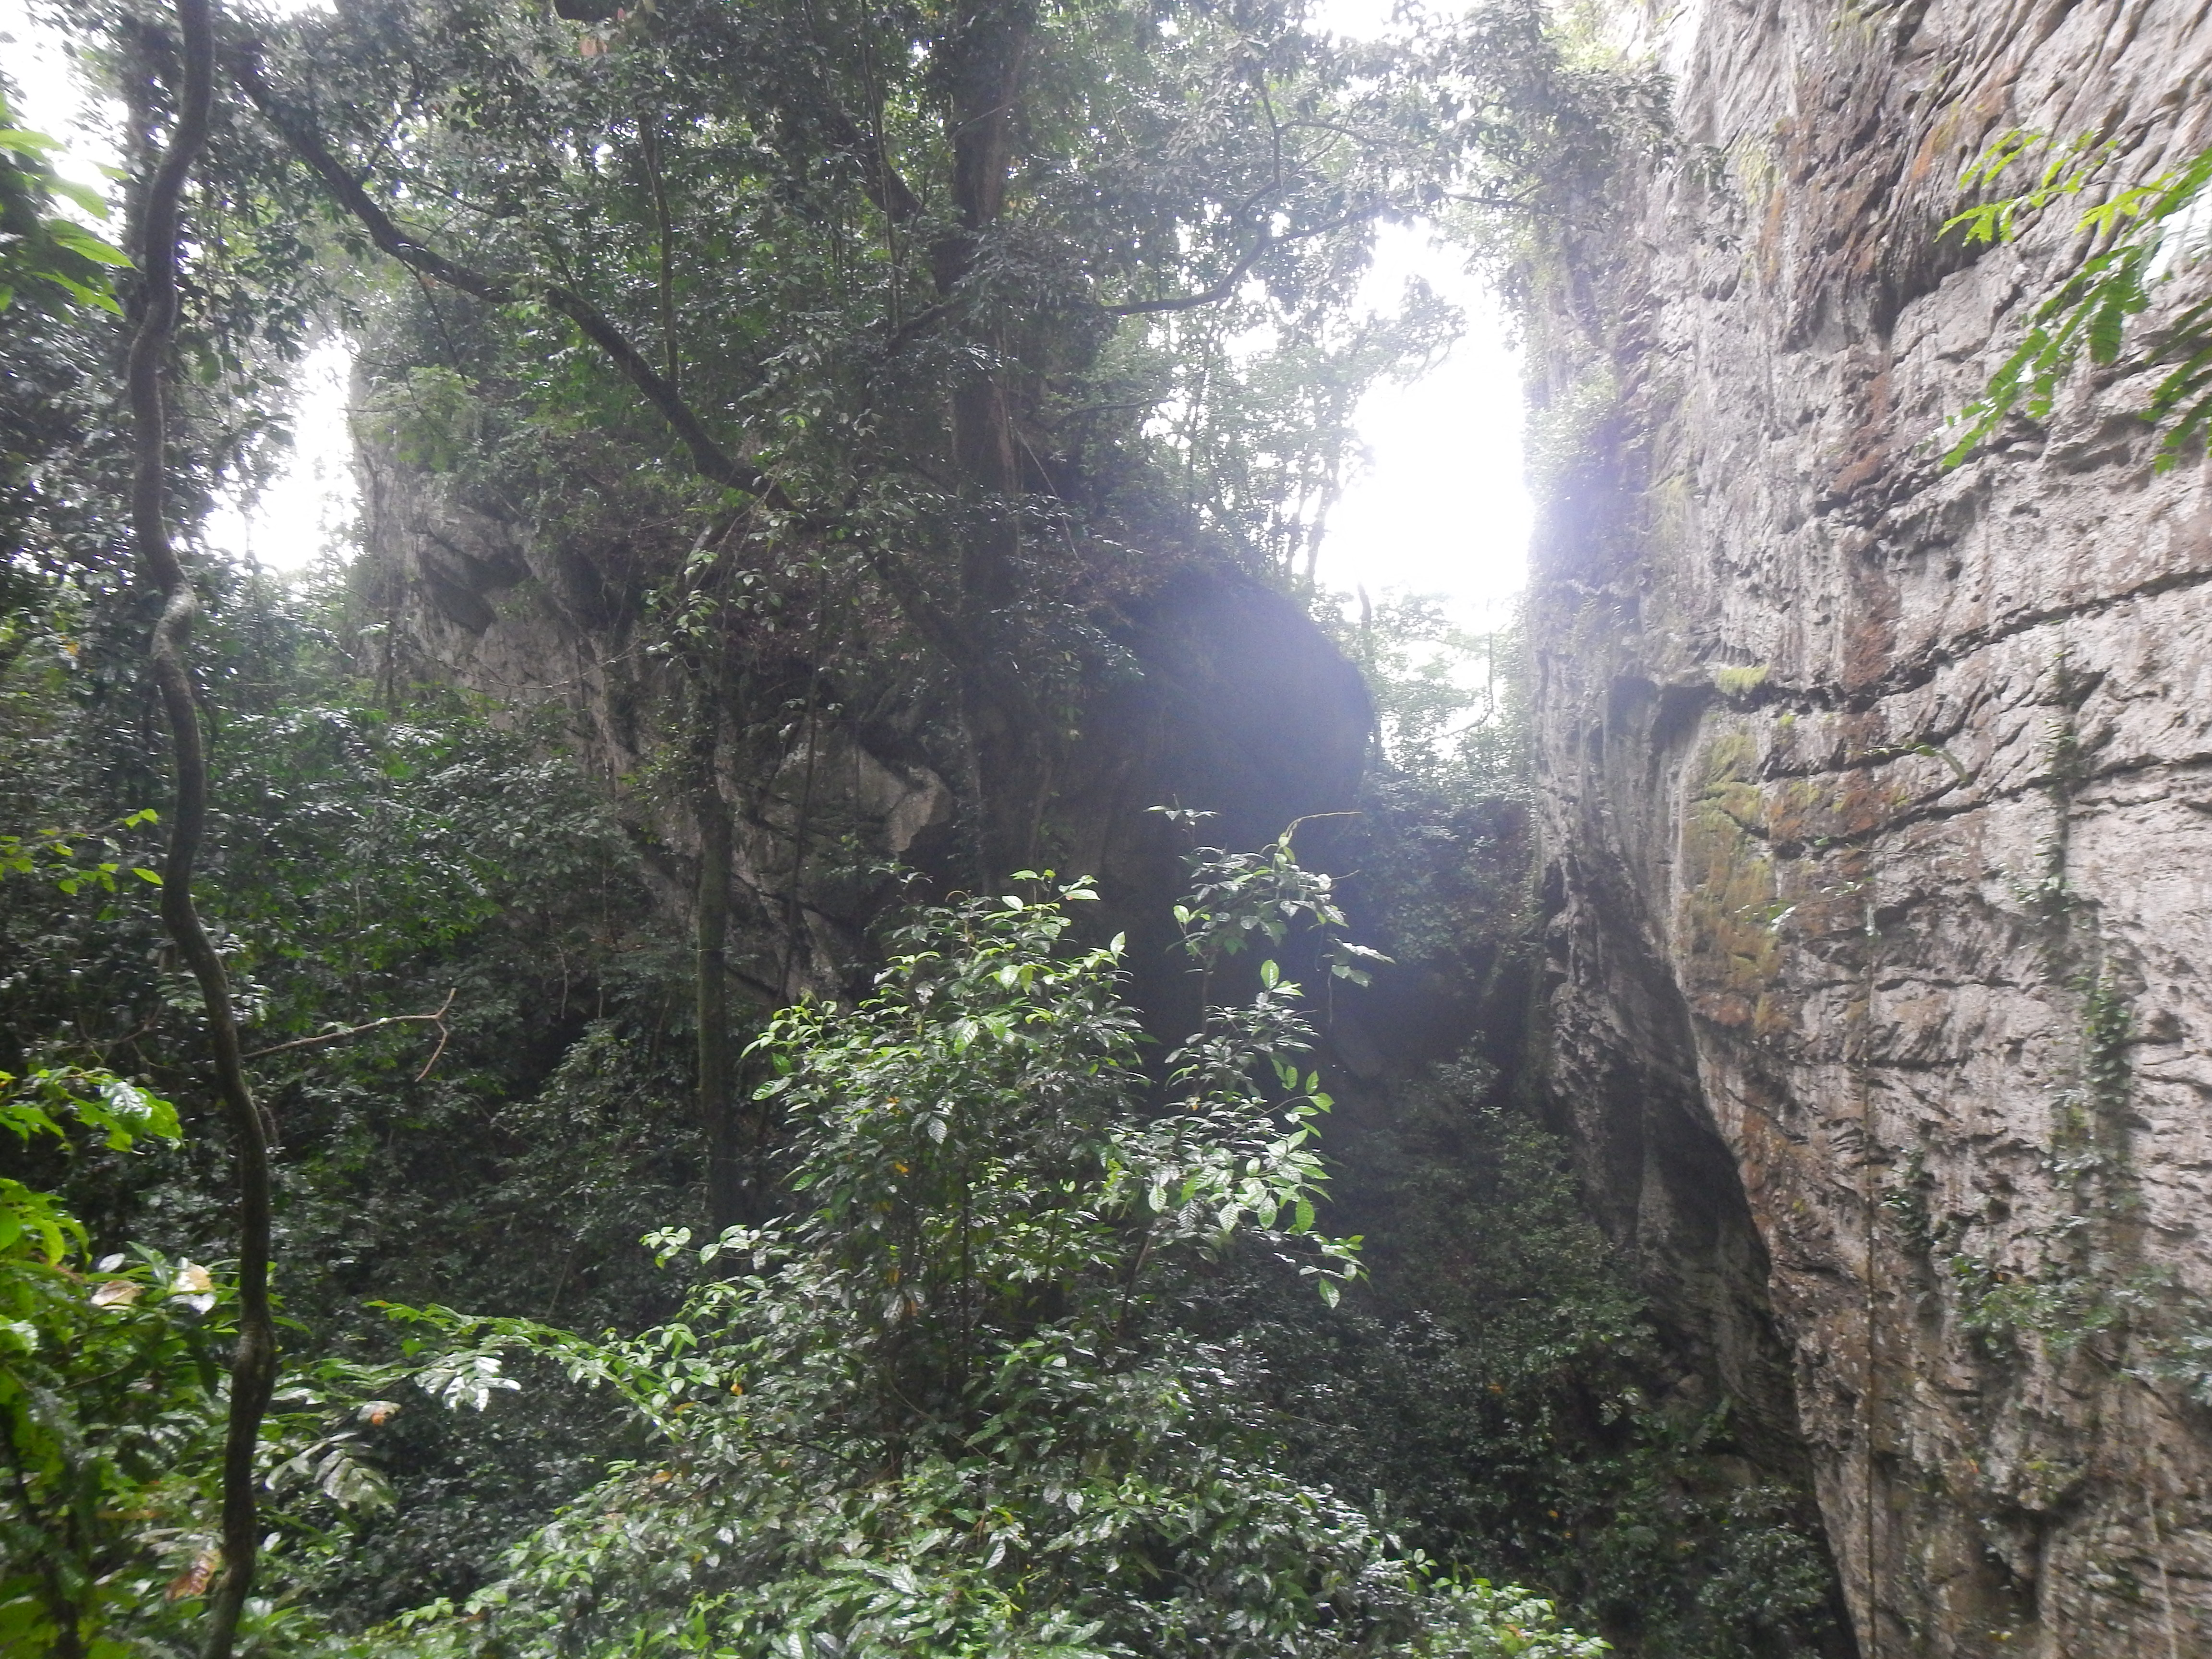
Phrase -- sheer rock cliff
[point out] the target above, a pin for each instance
(1877, 803)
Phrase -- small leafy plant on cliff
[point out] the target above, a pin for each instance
(2141, 237)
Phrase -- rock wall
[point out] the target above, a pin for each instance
(1878, 814)
(1228, 699)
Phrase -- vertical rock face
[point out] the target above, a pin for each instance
(1230, 700)
(1879, 817)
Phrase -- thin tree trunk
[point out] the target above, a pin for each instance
(1009, 764)
(253, 1365)
(648, 127)
(711, 808)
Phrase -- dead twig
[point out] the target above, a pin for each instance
(323, 1039)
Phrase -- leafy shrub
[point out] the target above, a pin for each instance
(108, 1409)
(954, 1404)
(2141, 237)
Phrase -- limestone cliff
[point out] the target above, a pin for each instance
(1228, 699)
(1878, 815)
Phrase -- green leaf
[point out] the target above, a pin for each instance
(83, 195)
(91, 296)
(79, 240)
(2089, 311)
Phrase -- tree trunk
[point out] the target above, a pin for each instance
(253, 1364)
(718, 1116)
(1009, 772)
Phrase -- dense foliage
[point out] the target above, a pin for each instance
(954, 1402)
(1494, 1372)
(850, 374)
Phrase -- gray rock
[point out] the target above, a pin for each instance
(1878, 808)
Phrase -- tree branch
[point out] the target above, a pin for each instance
(708, 458)
(322, 1039)
(880, 182)
(942, 628)
(1214, 295)
(1227, 286)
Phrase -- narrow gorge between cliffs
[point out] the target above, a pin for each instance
(856, 996)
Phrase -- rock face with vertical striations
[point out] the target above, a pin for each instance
(1878, 815)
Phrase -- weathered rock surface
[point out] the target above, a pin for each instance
(1230, 700)
(1878, 814)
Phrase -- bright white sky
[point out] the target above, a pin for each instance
(1438, 507)
(1441, 505)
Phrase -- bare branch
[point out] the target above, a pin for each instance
(323, 1039)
